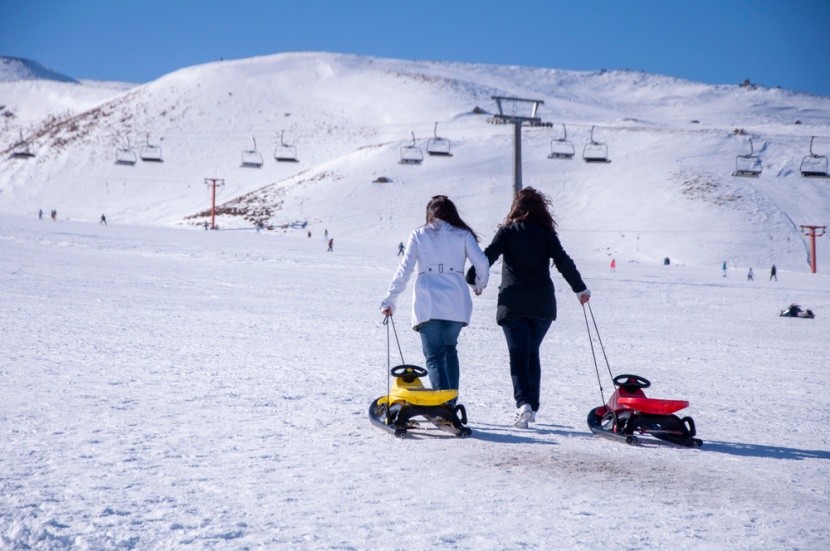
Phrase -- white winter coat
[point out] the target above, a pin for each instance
(439, 250)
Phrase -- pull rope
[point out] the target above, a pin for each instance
(601, 346)
(388, 367)
(386, 322)
(596, 329)
(593, 354)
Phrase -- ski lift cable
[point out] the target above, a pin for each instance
(455, 124)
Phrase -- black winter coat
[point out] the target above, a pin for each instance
(526, 289)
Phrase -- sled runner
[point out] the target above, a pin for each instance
(408, 398)
(629, 413)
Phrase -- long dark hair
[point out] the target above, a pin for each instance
(530, 205)
(441, 208)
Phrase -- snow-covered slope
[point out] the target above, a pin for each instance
(667, 192)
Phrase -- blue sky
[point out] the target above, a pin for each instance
(775, 43)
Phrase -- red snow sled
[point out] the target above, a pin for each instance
(629, 413)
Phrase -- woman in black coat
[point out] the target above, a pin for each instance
(527, 241)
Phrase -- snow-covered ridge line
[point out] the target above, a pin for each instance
(16, 68)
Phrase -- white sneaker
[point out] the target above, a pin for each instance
(523, 415)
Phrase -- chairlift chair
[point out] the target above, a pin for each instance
(251, 158)
(21, 149)
(749, 165)
(285, 153)
(594, 151)
(438, 146)
(151, 153)
(562, 148)
(125, 155)
(813, 165)
(411, 154)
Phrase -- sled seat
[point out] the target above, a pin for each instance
(643, 404)
(420, 396)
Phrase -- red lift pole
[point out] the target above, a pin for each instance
(811, 232)
(213, 182)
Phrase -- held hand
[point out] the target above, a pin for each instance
(478, 292)
(387, 311)
(584, 298)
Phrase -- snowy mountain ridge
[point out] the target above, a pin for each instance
(668, 190)
(16, 68)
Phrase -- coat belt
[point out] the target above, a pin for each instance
(441, 269)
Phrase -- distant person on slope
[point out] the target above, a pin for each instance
(527, 240)
(441, 303)
(750, 276)
(773, 273)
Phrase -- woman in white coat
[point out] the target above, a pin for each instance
(441, 304)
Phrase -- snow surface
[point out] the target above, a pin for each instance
(162, 386)
(167, 389)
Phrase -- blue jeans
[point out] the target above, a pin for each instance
(524, 337)
(438, 339)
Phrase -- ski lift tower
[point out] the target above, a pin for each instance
(812, 232)
(213, 183)
(518, 112)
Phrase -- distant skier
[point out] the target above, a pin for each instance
(750, 276)
(40, 214)
(309, 233)
(773, 273)
(401, 248)
(205, 225)
(724, 268)
(613, 264)
(331, 245)
(103, 220)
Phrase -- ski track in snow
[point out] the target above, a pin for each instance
(165, 388)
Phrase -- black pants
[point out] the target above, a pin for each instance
(524, 337)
